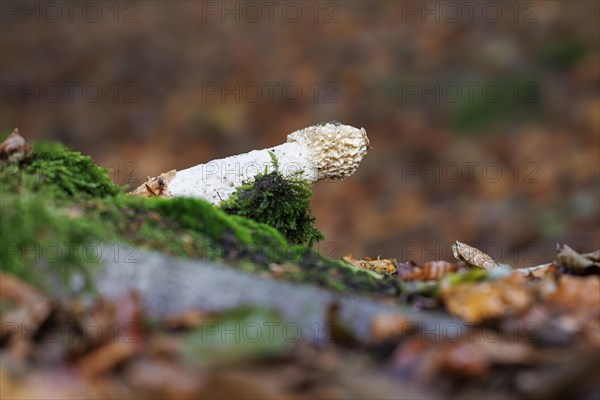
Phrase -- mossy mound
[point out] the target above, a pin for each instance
(279, 202)
(61, 200)
(59, 174)
(42, 243)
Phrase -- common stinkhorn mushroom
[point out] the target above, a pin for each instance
(323, 151)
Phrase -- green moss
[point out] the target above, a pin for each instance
(42, 244)
(44, 240)
(189, 227)
(58, 174)
(279, 202)
(48, 147)
(62, 200)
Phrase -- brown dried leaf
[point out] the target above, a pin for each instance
(578, 263)
(594, 255)
(539, 271)
(28, 307)
(380, 266)
(472, 256)
(351, 260)
(156, 185)
(14, 148)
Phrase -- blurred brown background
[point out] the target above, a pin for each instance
(484, 117)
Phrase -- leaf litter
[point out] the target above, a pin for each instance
(509, 330)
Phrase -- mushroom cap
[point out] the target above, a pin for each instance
(335, 150)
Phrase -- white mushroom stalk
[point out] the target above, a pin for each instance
(323, 151)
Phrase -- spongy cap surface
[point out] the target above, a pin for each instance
(335, 150)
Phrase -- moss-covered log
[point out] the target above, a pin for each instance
(55, 203)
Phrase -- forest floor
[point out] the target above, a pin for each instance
(173, 298)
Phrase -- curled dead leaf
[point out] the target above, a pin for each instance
(539, 271)
(156, 185)
(472, 256)
(577, 263)
(380, 266)
(593, 255)
(14, 148)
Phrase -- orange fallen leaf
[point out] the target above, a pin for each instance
(577, 293)
(381, 266)
(477, 301)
